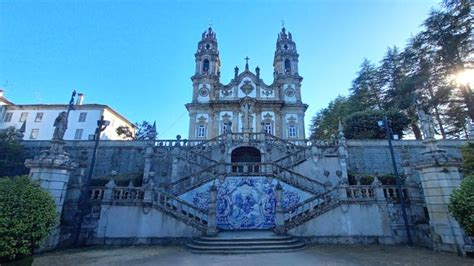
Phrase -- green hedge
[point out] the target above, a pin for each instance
(27, 216)
(461, 205)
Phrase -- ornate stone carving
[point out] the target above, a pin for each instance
(247, 87)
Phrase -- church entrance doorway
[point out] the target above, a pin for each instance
(246, 160)
(246, 155)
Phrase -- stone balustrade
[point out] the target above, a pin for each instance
(360, 193)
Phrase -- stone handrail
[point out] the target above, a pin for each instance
(180, 209)
(391, 193)
(309, 209)
(97, 193)
(165, 202)
(194, 180)
(297, 180)
(360, 192)
(122, 194)
(127, 194)
(247, 169)
(293, 159)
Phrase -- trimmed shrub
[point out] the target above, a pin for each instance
(27, 216)
(461, 205)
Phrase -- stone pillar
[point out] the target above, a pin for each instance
(211, 222)
(52, 170)
(147, 165)
(439, 176)
(148, 193)
(378, 189)
(279, 215)
(108, 191)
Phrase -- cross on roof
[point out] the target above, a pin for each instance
(246, 63)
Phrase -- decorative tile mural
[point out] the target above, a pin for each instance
(245, 202)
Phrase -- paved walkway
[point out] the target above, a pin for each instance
(314, 255)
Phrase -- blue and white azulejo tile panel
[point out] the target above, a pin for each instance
(245, 202)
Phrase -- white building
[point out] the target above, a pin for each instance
(39, 119)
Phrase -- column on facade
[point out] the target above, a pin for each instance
(301, 133)
(192, 125)
(279, 127)
(258, 121)
(235, 122)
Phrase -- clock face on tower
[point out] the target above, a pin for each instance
(203, 91)
(290, 92)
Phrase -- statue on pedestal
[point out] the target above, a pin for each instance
(60, 126)
(426, 122)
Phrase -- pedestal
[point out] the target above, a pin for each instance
(439, 175)
(52, 170)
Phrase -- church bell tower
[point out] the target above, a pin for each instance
(208, 67)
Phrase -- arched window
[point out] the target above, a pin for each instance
(205, 65)
(287, 65)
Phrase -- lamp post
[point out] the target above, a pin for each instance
(388, 131)
(84, 198)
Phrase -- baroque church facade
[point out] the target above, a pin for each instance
(246, 103)
(246, 165)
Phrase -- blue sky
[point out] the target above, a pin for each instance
(138, 56)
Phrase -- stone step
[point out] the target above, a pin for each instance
(240, 242)
(256, 242)
(229, 252)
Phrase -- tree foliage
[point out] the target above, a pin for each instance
(144, 131)
(363, 125)
(27, 216)
(421, 73)
(12, 155)
(461, 205)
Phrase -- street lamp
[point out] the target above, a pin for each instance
(84, 198)
(388, 131)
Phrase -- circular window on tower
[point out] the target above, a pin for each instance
(203, 91)
(290, 92)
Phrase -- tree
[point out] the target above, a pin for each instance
(363, 125)
(144, 131)
(325, 123)
(27, 216)
(12, 155)
(449, 33)
(366, 89)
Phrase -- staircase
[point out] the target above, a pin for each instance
(180, 210)
(309, 209)
(245, 242)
